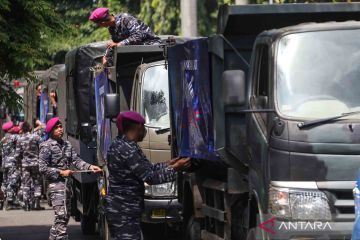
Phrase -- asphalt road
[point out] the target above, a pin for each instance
(35, 225)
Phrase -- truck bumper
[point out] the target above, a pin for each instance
(161, 211)
(308, 231)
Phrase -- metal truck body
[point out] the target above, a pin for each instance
(265, 85)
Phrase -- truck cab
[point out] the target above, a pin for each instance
(284, 122)
(151, 99)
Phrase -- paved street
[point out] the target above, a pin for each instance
(33, 225)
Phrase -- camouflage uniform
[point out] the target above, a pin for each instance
(128, 170)
(55, 156)
(27, 152)
(131, 31)
(11, 173)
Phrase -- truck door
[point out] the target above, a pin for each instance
(154, 106)
(259, 100)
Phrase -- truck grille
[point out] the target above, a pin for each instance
(341, 203)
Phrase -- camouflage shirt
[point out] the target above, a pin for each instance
(58, 155)
(131, 31)
(8, 145)
(27, 149)
(128, 170)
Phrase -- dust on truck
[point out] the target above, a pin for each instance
(278, 120)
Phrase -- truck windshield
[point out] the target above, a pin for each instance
(318, 74)
(155, 96)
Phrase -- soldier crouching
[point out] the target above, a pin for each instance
(55, 158)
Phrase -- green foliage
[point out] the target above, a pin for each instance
(163, 16)
(8, 97)
(27, 29)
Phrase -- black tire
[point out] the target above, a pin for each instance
(103, 228)
(88, 225)
(193, 229)
(251, 235)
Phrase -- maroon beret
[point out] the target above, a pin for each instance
(7, 126)
(99, 14)
(16, 130)
(51, 124)
(130, 115)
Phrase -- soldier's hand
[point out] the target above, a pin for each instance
(104, 61)
(66, 173)
(181, 163)
(95, 169)
(111, 44)
(172, 161)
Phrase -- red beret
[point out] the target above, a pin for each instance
(16, 130)
(99, 14)
(130, 115)
(51, 124)
(7, 126)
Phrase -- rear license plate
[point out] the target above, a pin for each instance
(158, 213)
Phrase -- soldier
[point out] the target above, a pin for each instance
(11, 173)
(27, 152)
(129, 169)
(124, 29)
(56, 156)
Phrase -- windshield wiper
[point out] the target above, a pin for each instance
(325, 120)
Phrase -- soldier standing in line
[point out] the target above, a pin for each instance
(56, 156)
(129, 169)
(124, 29)
(11, 173)
(27, 152)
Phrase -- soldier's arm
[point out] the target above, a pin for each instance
(145, 171)
(44, 163)
(78, 162)
(136, 34)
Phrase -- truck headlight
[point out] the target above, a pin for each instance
(295, 204)
(161, 190)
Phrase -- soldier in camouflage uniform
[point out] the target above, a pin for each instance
(129, 169)
(11, 172)
(124, 28)
(56, 156)
(27, 152)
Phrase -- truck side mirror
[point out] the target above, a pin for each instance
(49, 116)
(111, 105)
(2, 112)
(234, 87)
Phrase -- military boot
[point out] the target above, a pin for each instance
(37, 205)
(27, 206)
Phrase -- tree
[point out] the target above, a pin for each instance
(26, 30)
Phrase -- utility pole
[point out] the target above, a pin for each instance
(188, 10)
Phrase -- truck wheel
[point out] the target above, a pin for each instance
(251, 234)
(193, 229)
(103, 228)
(88, 224)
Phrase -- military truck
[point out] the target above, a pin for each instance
(284, 122)
(274, 138)
(90, 133)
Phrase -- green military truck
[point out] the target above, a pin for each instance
(268, 109)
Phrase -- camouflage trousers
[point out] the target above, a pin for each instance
(10, 184)
(60, 200)
(30, 184)
(123, 227)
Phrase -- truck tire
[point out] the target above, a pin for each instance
(193, 229)
(103, 228)
(88, 224)
(251, 234)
